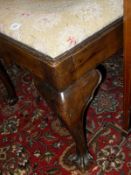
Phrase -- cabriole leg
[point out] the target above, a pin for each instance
(70, 105)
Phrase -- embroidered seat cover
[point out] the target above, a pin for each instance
(55, 26)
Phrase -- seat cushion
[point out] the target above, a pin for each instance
(54, 27)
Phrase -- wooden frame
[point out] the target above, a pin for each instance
(69, 81)
(127, 64)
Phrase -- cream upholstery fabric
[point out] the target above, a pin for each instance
(55, 26)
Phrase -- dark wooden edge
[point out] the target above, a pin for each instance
(66, 69)
(127, 67)
(53, 61)
(89, 40)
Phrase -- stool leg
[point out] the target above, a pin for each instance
(127, 98)
(70, 106)
(11, 98)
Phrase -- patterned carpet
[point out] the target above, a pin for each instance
(34, 142)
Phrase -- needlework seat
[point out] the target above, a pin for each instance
(61, 42)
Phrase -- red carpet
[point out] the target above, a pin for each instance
(34, 142)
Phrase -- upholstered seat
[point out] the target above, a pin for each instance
(53, 27)
(61, 42)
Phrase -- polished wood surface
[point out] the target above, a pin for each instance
(68, 82)
(70, 105)
(127, 63)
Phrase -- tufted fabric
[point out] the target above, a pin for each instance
(53, 27)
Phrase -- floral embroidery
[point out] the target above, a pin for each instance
(71, 40)
(26, 14)
(69, 37)
(46, 21)
(89, 12)
(54, 27)
(15, 26)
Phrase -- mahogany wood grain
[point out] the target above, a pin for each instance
(127, 64)
(69, 81)
(70, 106)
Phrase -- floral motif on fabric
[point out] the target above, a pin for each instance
(70, 37)
(54, 27)
(45, 21)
